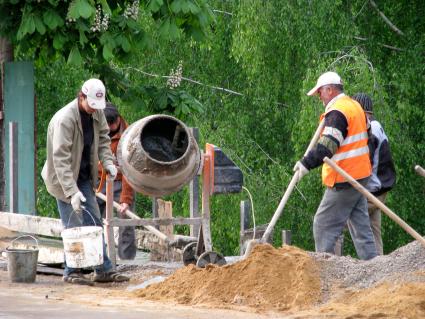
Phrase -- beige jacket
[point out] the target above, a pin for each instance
(65, 147)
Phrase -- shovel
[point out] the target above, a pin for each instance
(132, 215)
(285, 197)
(374, 200)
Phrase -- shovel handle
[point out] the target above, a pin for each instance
(315, 137)
(291, 186)
(132, 215)
(376, 201)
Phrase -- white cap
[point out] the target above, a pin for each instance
(325, 79)
(95, 92)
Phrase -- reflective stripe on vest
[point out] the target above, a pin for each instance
(353, 153)
(355, 138)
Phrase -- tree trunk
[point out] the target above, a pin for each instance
(6, 55)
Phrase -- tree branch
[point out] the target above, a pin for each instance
(381, 44)
(350, 56)
(195, 82)
(224, 12)
(387, 21)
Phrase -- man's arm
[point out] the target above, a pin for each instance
(127, 193)
(104, 148)
(334, 133)
(62, 155)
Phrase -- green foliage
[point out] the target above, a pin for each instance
(172, 101)
(97, 30)
(269, 53)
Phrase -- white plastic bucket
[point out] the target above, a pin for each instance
(83, 246)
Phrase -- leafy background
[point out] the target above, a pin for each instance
(246, 67)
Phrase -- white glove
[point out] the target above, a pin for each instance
(302, 170)
(112, 170)
(76, 200)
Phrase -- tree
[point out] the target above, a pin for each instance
(89, 31)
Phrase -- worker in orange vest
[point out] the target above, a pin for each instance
(344, 139)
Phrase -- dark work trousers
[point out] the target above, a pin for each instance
(126, 235)
(90, 216)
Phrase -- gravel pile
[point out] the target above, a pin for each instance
(347, 272)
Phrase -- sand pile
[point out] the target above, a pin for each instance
(386, 300)
(305, 284)
(284, 279)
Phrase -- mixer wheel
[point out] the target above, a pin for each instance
(210, 257)
(189, 254)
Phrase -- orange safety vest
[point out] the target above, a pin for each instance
(353, 153)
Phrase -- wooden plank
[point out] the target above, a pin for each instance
(159, 251)
(286, 237)
(165, 211)
(109, 216)
(50, 251)
(244, 221)
(45, 226)
(206, 191)
(13, 167)
(45, 270)
(7, 233)
(154, 207)
(194, 193)
(155, 221)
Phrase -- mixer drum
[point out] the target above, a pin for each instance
(158, 155)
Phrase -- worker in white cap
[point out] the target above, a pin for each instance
(77, 138)
(344, 139)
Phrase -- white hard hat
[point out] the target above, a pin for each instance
(325, 79)
(95, 92)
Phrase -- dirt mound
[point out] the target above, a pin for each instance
(386, 300)
(284, 279)
(306, 285)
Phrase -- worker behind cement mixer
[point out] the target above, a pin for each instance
(77, 138)
(123, 193)
(344, 139)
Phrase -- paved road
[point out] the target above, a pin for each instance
(49, 297)
(19, 307)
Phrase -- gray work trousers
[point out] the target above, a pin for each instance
(339, 206)
(375, 222)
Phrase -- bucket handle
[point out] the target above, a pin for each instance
(84, 209)
(36, 241)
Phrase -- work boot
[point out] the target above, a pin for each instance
(111, 276)
(78, 279)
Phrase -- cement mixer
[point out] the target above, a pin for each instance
(158, 155)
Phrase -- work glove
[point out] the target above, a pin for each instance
(123, 208)
(112, 170)
(302, 170)
(76, 200)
